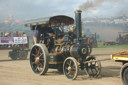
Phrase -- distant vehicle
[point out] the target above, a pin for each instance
(18, 45)
(123, 38)
(109, 43)
(91, 40)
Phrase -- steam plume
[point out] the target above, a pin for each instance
(91, 5)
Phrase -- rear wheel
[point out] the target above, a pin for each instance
(39, 59)
(70, 68)
(124, 74)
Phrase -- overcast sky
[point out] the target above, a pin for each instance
(27, 9)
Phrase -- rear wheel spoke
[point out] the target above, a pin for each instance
(36, 67)
(34, 55)
(36, 51)
(33, 62)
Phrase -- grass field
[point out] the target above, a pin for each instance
(100, 46)
(124, 46)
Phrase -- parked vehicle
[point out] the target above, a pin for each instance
(19, 47)
(122, 57)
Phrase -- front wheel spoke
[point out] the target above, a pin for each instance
(69, 63)
(93, 66)
(92, 69)
(97, 68)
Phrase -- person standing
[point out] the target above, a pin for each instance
(10, 35)
(24, 34)
(35, 36)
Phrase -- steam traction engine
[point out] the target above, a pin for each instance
(57, 49)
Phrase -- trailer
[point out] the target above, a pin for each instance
(122, 57)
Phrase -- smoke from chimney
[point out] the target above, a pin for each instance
(97, 3)
(91, 5)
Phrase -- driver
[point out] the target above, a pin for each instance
(72, 31)
(35, 35)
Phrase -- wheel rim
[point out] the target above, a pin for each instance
(125, 76)
(70, 68)
(37, 59)
(93, 69)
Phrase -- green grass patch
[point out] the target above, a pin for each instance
(124, 46)
(100, 45)
(30, 43)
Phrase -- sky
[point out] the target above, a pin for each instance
(27, 9)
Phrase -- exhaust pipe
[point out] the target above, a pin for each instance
(78, 24)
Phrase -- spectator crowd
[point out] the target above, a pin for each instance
(15, 34)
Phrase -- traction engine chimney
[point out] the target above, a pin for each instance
(78, 24)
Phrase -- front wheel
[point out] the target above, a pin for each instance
(92, 69)
(70, 68)
(39, 59)
(124, 74)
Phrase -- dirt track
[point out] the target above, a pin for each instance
(18, 72)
